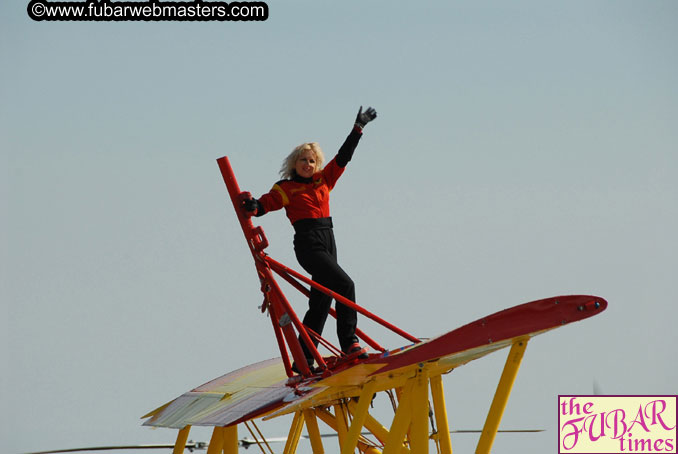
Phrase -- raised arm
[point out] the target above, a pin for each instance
(348, 147)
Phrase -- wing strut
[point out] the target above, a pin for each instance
(501, 396)
(180, 444)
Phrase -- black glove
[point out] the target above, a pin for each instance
(365, 117)
(252, 207)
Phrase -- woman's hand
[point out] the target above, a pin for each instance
(365, 117)
(251, 205)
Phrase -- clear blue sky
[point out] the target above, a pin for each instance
(523, 150)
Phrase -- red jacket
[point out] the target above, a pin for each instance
(304, 198)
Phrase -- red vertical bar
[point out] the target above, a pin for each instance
(294, 342)
(280, 339)
(256, 241)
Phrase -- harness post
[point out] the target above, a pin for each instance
(257, 242)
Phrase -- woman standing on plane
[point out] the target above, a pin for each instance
(304, 192)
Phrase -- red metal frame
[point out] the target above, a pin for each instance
(282, 269)
(283, 317)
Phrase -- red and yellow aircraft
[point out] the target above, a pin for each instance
(341, 391)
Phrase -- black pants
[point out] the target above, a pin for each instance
(316, 252)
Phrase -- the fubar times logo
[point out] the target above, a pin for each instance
(617, 424)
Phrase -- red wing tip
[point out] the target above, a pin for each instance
(594, 304)
(584, 303)
(590, 305)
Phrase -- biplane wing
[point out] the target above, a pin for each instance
(499, 330)
(449, 351)
(241, 395)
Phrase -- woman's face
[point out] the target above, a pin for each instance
(306, 164)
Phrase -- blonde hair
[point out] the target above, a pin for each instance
(287, 171)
